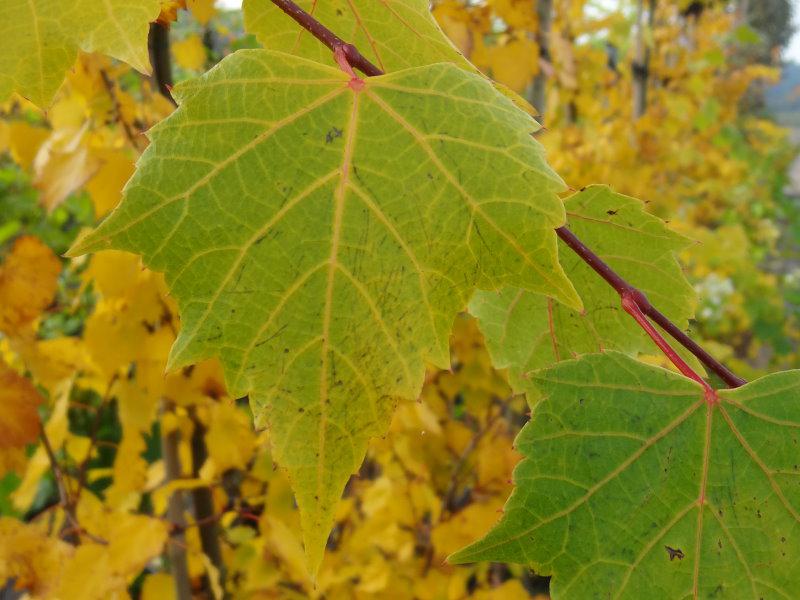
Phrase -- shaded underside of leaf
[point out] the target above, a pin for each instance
(633, 486)
(527, 331)
(320, 241)
(39, 40)
(392, 34)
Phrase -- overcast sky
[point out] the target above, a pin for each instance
(791, 53)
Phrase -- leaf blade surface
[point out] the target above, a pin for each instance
(39, 40)
(320, 241)
(646, 489)
(526, 331)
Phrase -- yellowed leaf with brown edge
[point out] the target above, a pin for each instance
(169, 11)
(28, 282)
(39, 464)
(19, 419)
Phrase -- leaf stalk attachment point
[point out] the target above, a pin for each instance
(634, 301)
(340, 55)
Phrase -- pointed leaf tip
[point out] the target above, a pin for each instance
(322, 276)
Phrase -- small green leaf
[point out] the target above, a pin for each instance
(39, 40)
(320, 240)
(392, 34)
(634, 486)
(526, 331)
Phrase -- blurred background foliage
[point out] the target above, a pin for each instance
(686, 105)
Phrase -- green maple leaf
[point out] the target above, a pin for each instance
(321, 240)
(39, 40)
(634, 486)
(525, 331)
(392, 34)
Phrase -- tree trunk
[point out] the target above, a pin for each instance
(176, 546)
(538, 88)
(641, 61)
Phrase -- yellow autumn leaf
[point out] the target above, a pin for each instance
(24, 141)
(105, 188)
(63, 165)
(158, 586)
(30, 557)
(203, 10)
(28, 281)
(226, 423)
(190, 53)
(514, 63)
(53, 361)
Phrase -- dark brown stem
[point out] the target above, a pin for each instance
(71, 529)
(158, 46)
(69, 533)
(327, 37)
(83, 469)
(203, 502)
(623, 288)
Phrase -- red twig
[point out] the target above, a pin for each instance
(624, 289)
(631, 306)
(633, 300)
(327, 37)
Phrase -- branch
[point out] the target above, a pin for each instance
(66, 501)
(203, 501)
(635, 299)
(327, 37)
(625, 289)
(176, 547)
(158, 47)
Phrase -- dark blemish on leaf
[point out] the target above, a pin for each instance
(286, 351)
(719, 543)
(187, 371)
(611, 213)
(334, 133)
(674, 553)
(583, 189)
(274, 335)
(301, 410)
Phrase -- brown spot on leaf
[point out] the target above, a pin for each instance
(674, 553)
